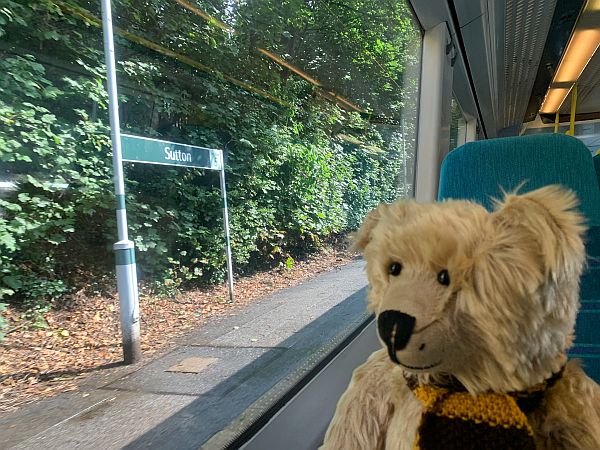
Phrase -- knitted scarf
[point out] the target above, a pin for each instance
(454, 419)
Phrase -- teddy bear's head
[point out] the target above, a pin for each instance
(489, 298)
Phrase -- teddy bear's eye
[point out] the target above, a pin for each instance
(395, 268)
(444, 277)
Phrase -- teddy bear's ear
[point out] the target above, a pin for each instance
(546, 220)
(362, 237)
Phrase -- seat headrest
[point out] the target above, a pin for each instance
(597, 166)
(480, 170)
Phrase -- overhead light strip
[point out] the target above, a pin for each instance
(582, 46)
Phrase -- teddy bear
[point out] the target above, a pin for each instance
(475, 311)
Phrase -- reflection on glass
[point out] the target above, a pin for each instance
(458, 126)
(587, 132)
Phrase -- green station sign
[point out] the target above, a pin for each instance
(156, 151)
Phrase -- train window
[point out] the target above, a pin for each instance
(314, 106)
(458, 126)
(588, 132)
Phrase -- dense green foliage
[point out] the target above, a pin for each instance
(304, 163)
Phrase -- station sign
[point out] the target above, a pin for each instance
(156, 151)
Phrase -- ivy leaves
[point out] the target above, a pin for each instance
(298, 171)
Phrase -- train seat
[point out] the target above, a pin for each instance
(479, 171)
(597, 165)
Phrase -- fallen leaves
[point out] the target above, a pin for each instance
(85, 337)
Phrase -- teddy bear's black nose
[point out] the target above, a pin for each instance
(395, 329)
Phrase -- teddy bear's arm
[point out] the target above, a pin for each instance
(571, 416)
(364, 410)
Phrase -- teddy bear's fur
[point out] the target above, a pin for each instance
(502, 323)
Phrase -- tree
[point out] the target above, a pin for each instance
(312, 102)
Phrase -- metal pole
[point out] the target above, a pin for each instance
(226, 228)
(124, 248)
(573, 110)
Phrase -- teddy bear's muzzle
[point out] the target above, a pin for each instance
(395, 329)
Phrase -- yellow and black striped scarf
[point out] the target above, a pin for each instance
(454, 419)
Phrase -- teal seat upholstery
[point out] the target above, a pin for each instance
(597, 167)
(479, 171)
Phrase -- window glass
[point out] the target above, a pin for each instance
(458, 126)
(313, 103)
(588, 132)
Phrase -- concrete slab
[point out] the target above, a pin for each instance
(254, 388)
(35, 417)
(192, 365)
(271, 321)
(29, 421)
(111, 424)
(155, 378)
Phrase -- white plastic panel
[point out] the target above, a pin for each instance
(433, 134)
(302, 423)
(504, 42)
(526, 26)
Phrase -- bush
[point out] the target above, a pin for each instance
(299, 168)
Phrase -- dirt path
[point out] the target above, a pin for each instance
(42, 362)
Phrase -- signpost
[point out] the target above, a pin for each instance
(149, 151)
(124, 248)
(156, 151)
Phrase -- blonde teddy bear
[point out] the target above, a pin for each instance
(475, 312)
